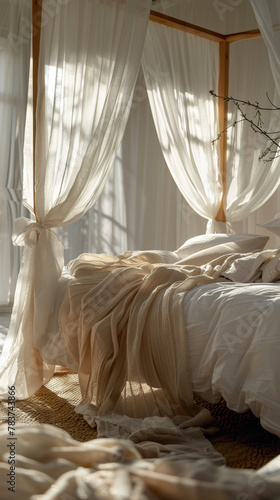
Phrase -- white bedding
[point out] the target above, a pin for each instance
(234, 346)
(233, 339)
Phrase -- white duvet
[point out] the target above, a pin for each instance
(234, 346)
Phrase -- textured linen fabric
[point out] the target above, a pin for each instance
(122, 321)
(185, 116)
(14, 74)
(89, 59)
(267, 16)
(53, 466)
(186, 121)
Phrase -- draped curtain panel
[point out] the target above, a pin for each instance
(89, 59)
(267, 16)
(179, 70)
(140, 207)
(186, 121)
(250, 182)
(14, 70)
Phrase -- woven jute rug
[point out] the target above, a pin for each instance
(54, 404)
(242, 440)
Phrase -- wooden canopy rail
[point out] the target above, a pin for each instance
(36, 26)
(173, 22)
(223, 40)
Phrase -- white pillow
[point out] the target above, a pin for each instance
(273, 225)
(206, 247)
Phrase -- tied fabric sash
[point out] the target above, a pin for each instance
(26, 232)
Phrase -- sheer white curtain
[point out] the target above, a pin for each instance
(250, 182)
(179, 70)
(157, 215)
(14, 70)
(89, 60)
(267, 16)
(140, 206)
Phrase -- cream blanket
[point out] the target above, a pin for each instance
(122, 321)
(123, 324)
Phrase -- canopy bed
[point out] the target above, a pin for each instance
(144, 329)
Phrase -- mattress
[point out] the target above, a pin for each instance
(234, 346)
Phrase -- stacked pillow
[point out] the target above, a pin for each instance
(206, 247)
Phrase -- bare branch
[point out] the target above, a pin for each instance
(256, 123)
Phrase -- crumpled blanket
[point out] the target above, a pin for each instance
(123, 324)
(50, 465)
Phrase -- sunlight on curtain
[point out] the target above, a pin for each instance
(89, 59)
(268, 18)
(250, 182)
(14, 69)
(158, 217)
(140, 207)
(103, 228)
(186, 118)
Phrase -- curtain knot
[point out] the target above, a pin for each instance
(217, 227)
(26, 232)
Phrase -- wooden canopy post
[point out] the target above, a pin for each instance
(36, 35)
(223, 110)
